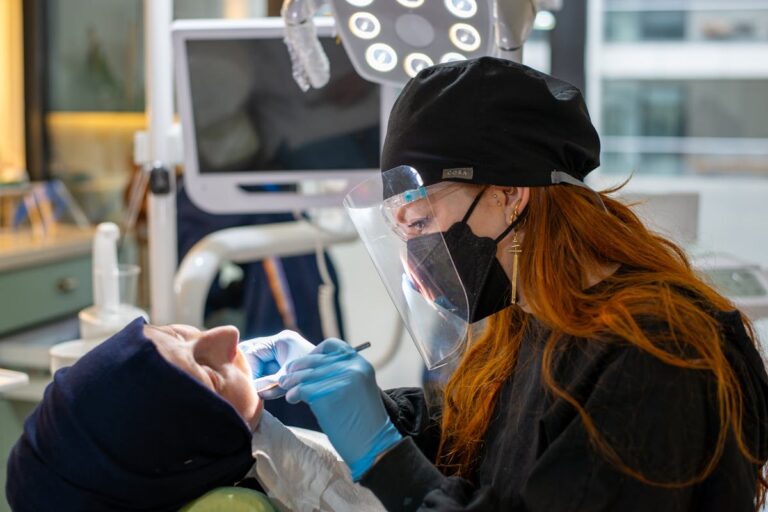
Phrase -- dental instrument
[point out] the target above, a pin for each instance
(263, 392)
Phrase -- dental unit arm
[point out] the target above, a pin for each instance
(512, 23)
(309, 61)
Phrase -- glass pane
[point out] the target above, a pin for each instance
(636, 21)
(96, 91)
(685, 127)
(694, 108)
(95, 53)
(675, 163)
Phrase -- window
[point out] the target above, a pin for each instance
(716, 21)
(686, 127)
(94, 92)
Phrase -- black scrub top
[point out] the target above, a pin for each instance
(537, 456)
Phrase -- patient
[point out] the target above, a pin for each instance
(155, 417)
(123, 429)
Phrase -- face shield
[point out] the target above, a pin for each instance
(394, 214)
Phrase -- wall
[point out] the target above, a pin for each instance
(11, 92)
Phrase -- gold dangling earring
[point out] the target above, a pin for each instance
(515, 249)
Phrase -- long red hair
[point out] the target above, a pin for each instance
(567, 234)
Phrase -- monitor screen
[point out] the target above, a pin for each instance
(249, 115)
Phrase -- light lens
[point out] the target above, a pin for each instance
(381, 57)
(411, 4)
(452, 57)
(364, 25)
(415, 62)
(465, 37)
(462, 8)
(360, 3)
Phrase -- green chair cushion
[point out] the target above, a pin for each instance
(230, 499)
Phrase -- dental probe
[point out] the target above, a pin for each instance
(269, 387)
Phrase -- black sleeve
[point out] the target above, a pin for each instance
(659, 418)
(415, 418)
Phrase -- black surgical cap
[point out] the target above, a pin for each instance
(494, 122)
(125, 430)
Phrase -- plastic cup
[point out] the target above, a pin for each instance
(128, 283)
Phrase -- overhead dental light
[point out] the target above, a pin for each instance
(389, 41)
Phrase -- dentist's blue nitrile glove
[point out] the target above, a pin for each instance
(268, 356)
(340, 387)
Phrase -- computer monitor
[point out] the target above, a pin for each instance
(253, 140)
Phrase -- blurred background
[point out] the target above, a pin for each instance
(677, 88)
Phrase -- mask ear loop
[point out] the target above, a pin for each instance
(473, 205)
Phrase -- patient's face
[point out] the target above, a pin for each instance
(213, 358)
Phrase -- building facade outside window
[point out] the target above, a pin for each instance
(682, 88)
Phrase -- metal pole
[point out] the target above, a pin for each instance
(162, 198)
(569, 43)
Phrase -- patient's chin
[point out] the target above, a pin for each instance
(254, 421)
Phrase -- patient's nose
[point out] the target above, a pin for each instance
(218, 345)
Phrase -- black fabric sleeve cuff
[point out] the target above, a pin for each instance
(402, 477)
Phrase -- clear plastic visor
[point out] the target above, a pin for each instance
(400, 223)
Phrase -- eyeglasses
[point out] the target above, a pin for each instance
(410, 213)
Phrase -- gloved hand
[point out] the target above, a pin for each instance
(340, 387)
(269, 355)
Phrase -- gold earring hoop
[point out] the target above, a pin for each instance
(513, 217)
